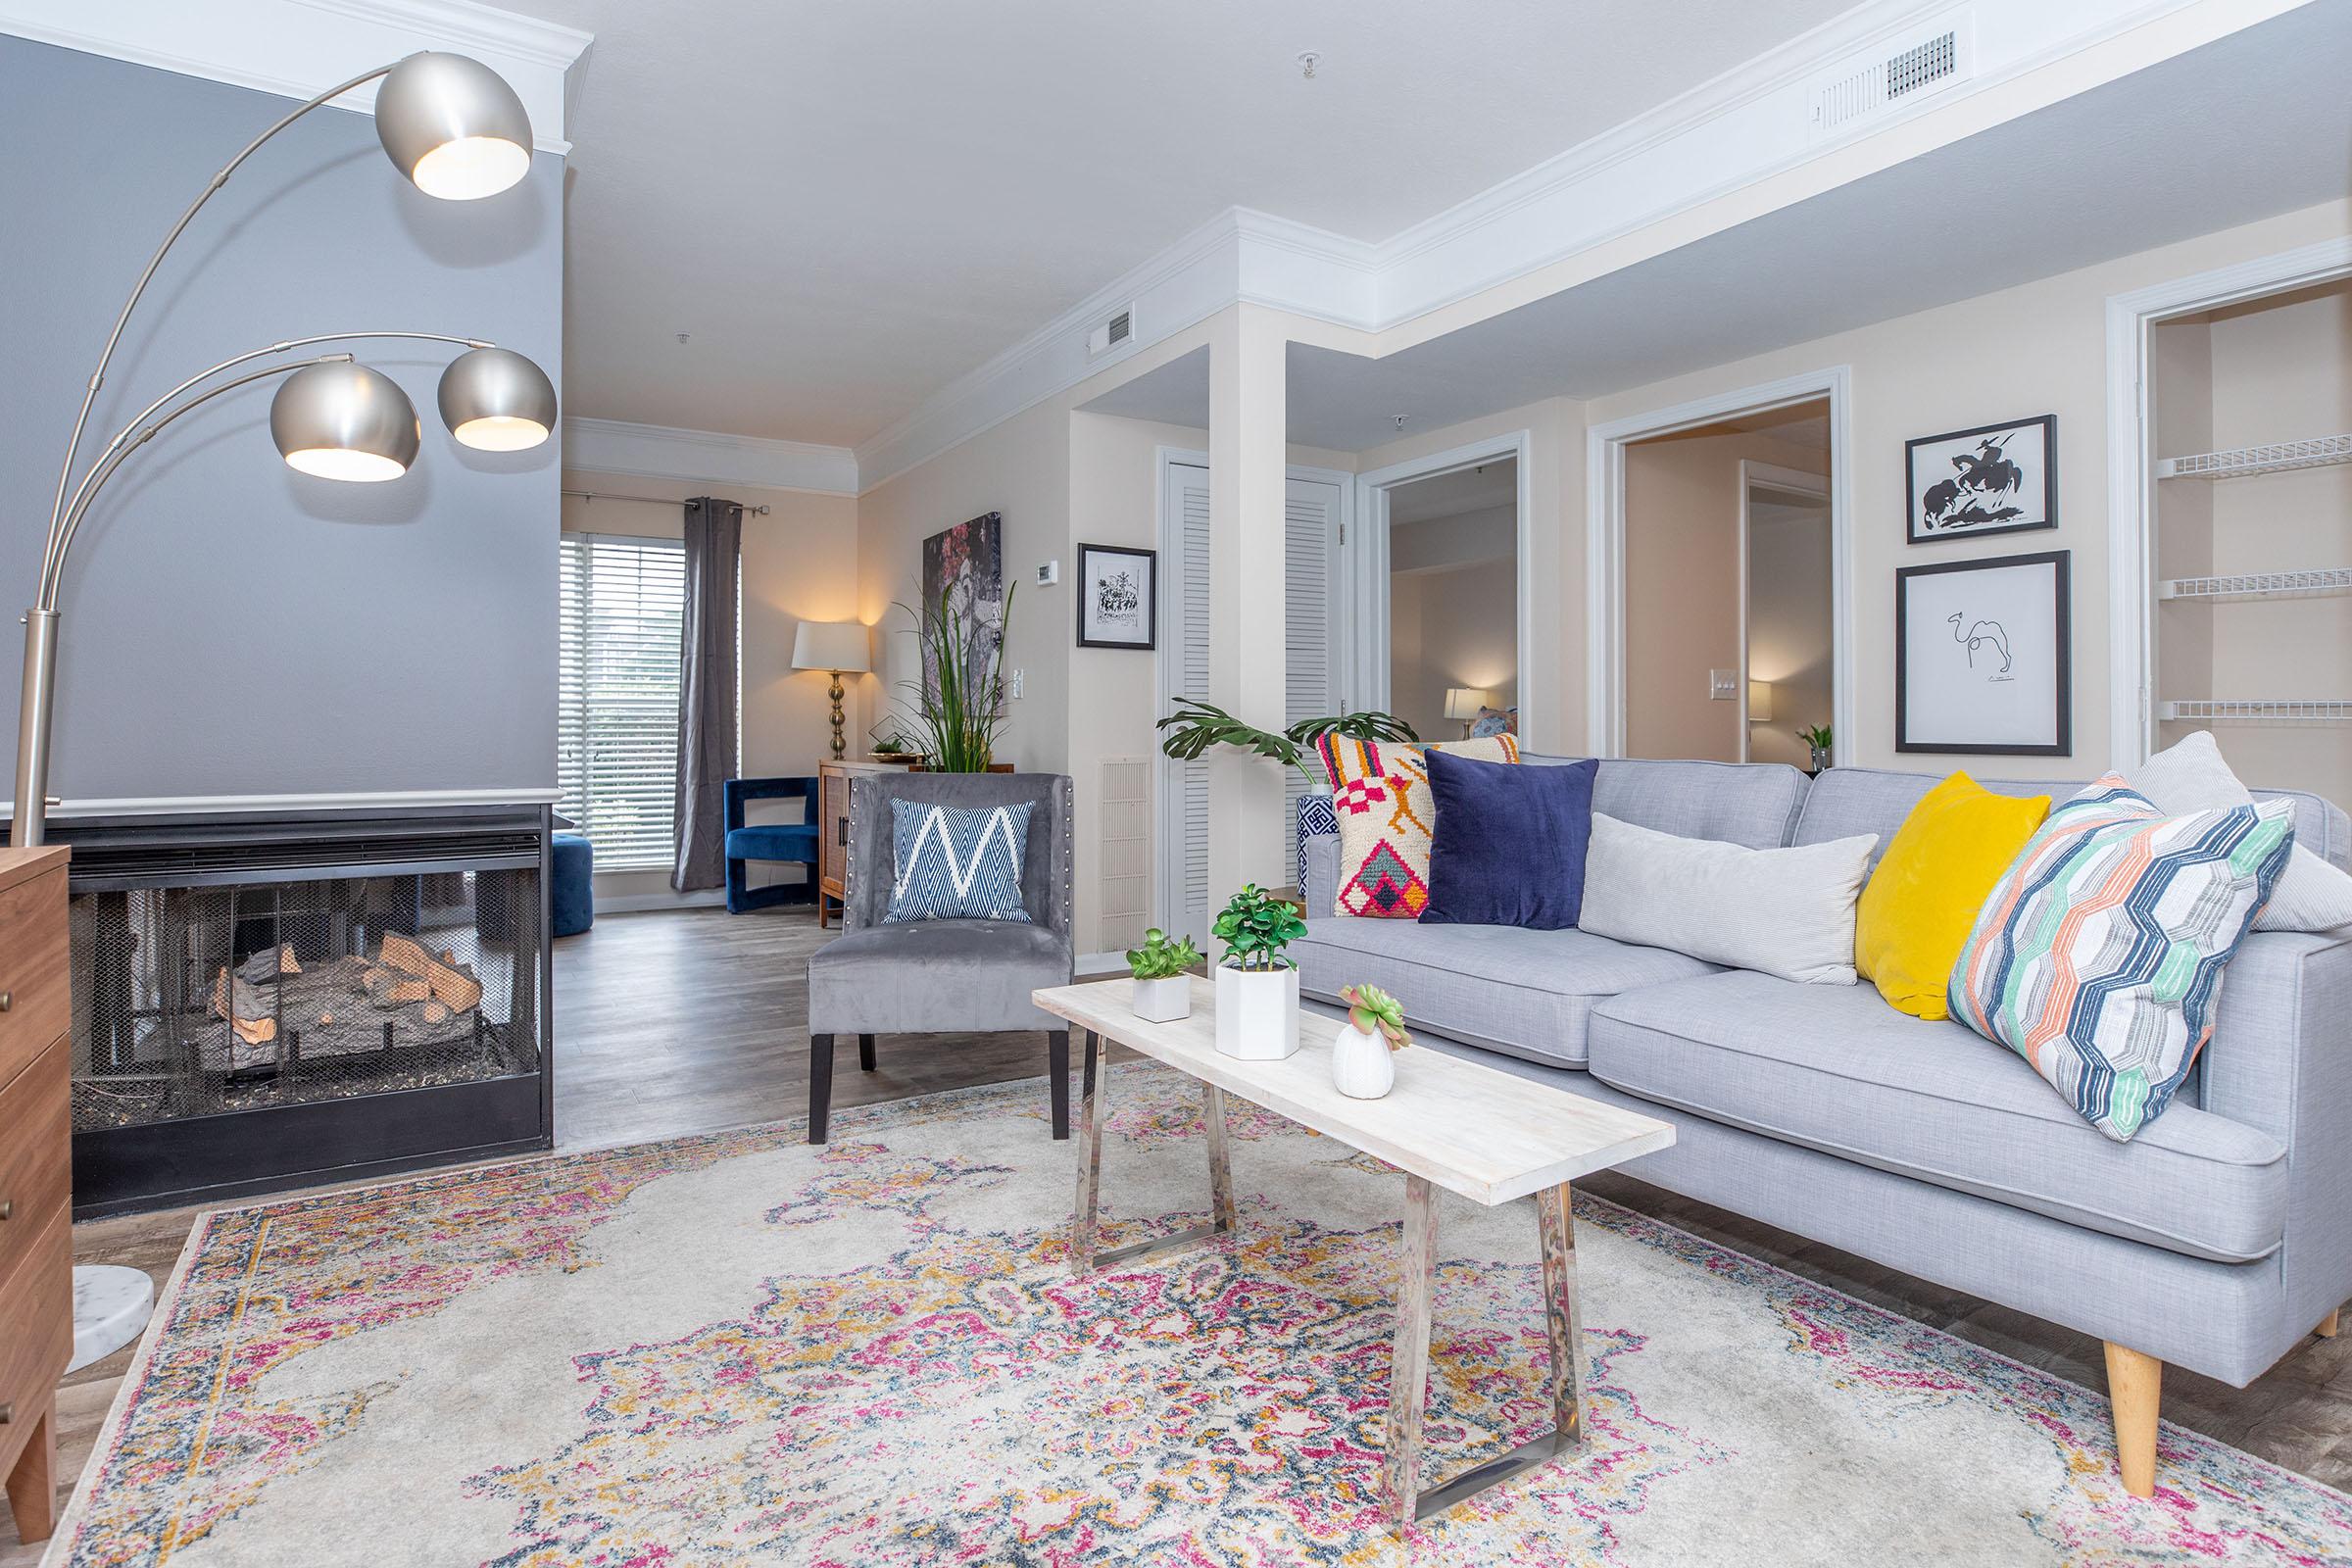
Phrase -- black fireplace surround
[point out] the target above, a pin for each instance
(263, 1001)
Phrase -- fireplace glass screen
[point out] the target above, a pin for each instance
(198, 1001)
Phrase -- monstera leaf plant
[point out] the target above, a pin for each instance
(1196, 726)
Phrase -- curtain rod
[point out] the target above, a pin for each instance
(651, 501)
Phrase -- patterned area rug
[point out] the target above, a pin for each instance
(734, 1348)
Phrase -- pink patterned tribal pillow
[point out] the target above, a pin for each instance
(1380, 792)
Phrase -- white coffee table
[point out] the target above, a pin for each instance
(1449, 1123)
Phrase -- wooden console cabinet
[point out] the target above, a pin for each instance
(833, 828)
(36, 1240)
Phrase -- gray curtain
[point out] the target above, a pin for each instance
(706, 691)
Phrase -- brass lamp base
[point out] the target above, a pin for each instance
(840, 746)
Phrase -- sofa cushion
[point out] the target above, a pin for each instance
(1788, 913)
(1754, 803)
(1841, 1071)
(1845, 801)
(1508, 848)
(1520, 992)
(1379, 792)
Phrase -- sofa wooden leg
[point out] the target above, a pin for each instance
(1057, 1079)
(2134, 1381)
(2327, 1328)
(865, 1052)
(820, 1085)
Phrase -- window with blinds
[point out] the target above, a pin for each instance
(622, 617)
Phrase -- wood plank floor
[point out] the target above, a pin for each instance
(676, 1023)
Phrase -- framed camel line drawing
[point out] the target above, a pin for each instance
(1996, 478)
(1983, 657)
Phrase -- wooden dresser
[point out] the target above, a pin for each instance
(833, 827)
(36, 1241)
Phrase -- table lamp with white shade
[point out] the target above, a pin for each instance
(838, 647)
(1464, 701)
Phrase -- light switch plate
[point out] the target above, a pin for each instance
(1723, 685)
(1013, 683)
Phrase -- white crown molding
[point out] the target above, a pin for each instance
(297, 48)
(660, 452)
(1732, 134)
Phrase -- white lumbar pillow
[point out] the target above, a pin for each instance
(1787, 912)
(2190, 776)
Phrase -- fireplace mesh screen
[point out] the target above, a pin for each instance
(195, 1001)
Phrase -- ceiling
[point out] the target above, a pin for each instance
(2256, 123)
(847, 206)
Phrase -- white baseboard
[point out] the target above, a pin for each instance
(640, 903)
(1095, 966)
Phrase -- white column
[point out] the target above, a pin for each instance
(1248, 433)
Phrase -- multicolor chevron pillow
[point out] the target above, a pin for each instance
(2099, 957)
(956, 862)
(1380, 792)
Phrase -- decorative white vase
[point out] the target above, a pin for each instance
(1258, 1012)
(1361, 1064)
(1164, 1001)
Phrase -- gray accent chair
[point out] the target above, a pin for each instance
(942, 976)
(2215, 1240)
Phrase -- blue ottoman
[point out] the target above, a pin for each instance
(570, 892)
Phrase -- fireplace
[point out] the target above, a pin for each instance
(266, 1001)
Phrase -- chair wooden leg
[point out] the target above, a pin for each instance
(1057, 1079)
(2134, 1385)
(2327, 1328)
(32, 1483)
(865, 1052)
(820, 1085)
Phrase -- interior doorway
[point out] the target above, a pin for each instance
(1720, 610)
(1454, 578)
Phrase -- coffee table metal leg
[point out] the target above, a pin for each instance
(1562, 1321)
(1090, 1159)
(1564, 1378)
(1408, 1373)
(1220, 1161)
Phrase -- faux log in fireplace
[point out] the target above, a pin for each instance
(269, 1002)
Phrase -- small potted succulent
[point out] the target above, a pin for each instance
(1257, 988)
(1360, 1067)
(1163, 987)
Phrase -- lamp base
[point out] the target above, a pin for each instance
(841, 747)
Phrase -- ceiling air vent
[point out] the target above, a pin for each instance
(1866, 87)
(1111, 333)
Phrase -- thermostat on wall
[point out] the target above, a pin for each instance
(1048, 572)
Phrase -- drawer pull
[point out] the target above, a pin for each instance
(8, 1207)
(8, 1413)
(7, 1000)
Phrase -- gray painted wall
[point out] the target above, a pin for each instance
(230, 626)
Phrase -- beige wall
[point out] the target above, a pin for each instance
(1453, 586)
(800, 562)
(1682, 586)
(2040, 347)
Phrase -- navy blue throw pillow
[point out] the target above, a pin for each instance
(1508, 845)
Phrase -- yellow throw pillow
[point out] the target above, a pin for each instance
(1915, 912)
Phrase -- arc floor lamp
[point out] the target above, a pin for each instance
(457, 130)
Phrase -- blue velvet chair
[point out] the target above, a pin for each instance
(769, 841)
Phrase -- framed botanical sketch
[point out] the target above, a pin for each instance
(1997, 478)
(1118, 593)
(1983, 657)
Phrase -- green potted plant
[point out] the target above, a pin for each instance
(959, 702)
(1257, 988)
(1163, 983)
(1361, 1065)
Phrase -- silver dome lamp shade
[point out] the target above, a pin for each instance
(344, 421)
(452, 126)
(494, 400)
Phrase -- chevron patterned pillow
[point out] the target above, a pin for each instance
(2099, 957)
(958, 863)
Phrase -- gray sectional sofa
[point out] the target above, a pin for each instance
(2215, 1240)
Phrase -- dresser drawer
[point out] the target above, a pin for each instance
(36, 1303)
(35, 1154)
(34, 996)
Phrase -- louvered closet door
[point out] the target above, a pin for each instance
(1310, 681)
(1184, 859)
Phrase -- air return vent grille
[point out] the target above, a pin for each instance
(1111, 333)
(1124, 879)
(1864, 87)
